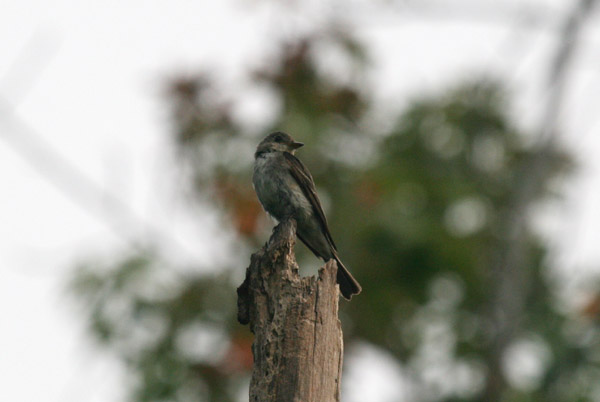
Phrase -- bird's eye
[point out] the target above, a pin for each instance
(278, 138)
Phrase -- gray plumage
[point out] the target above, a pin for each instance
(285, 188)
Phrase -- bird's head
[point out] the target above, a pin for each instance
(277, 142)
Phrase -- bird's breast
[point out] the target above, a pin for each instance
(277, 190)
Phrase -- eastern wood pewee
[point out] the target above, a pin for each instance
(285, 188)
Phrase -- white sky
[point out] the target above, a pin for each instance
(85, 75)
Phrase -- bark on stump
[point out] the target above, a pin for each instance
(298, 346)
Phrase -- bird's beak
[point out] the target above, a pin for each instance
(296, 145)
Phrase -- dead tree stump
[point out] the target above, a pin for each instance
(298, 346)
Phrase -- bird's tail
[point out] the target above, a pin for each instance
(348, 285)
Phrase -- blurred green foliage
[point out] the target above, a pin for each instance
(422, 204)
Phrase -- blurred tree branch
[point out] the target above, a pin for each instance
(511, 267)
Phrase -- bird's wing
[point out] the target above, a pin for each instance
(306, 183)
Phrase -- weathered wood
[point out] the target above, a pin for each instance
(298, 346)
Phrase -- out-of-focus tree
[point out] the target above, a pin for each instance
(421, 204)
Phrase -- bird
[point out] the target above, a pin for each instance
(286, 189)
